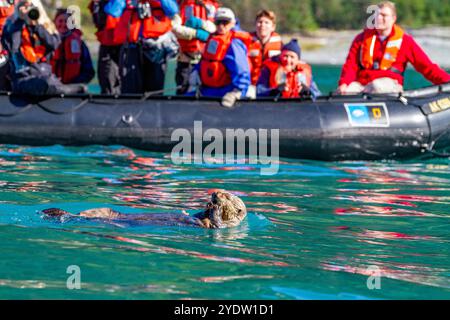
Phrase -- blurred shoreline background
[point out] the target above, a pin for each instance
(325, 28)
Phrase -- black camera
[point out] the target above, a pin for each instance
(33, 13)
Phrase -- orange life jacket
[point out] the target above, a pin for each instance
(106, 35)
(213, 72)
(259, 52)
(66, 62)
(5, 12)
(394, 43)
(129, 25)
(31, 48)
(200, 9)
(294, 80)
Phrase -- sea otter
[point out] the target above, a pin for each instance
(223, 211)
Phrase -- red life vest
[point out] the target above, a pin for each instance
(259, 52)
(5, 12)
(294, 80)
(106, 36)
(213, 72)
(204, 10)
(129, 25)
(66, 62)
(31, 48)
(393, 45)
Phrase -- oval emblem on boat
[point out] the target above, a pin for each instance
(127, 118)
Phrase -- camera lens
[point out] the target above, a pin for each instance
(33, 14)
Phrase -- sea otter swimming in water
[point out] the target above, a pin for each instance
(224, 210)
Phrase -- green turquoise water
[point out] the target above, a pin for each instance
(314, 231)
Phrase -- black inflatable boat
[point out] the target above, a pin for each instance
(331, 128)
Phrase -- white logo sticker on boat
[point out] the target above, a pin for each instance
(367, 114)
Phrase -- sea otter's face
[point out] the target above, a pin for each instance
(225, 210)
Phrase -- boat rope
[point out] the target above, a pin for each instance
(433, 143)
(73, 109)
(21, 110)
(156, 92)
(430, 147)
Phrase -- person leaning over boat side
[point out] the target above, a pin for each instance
(224, 70)
(109, 51)
(286, 75)
(192, 27)
(266, 43)
(6, 10)
(144, 27)
(378, 58)
(72, 61)
(30, 38)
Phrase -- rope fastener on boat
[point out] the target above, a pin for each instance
(403, 100)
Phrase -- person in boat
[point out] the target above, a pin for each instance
(287, 75)
(378, 58)
(6, 10)
(224, 70)
(30, 38)
(224, 210)
(72, 61)
(192, 27)
(266, 43)
(144, 27)
(109, 50)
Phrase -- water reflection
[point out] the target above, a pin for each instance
(322, 218)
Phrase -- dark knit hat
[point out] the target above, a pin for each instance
(294, 47)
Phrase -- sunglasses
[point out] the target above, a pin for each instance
(224, 22)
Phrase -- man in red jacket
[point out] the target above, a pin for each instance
(378, 58)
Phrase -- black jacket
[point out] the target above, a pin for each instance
(12, 39)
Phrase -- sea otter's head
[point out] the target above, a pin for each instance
(225, 210)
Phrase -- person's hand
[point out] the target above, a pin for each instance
(342, 89)
(31, 22)
(282, 87)
(251, 92)
(230, 98)
(202, 35)
(305, 91)
(3, 59)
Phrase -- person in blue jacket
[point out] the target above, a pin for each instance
(224, 69)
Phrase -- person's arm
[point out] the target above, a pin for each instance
(87, 71)
(423, 64)
(236, 62)
(181, 31)
(193, 28)
(350, 69)
(115, 8)
(315, 91)
(98, 14)
(170, 8)
(50, 41)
